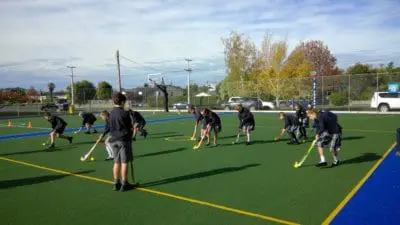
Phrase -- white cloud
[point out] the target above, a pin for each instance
(87, 33)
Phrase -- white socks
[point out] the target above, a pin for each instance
(322, 158)
(109, 151)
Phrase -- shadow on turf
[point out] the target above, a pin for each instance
(198, 175)
(366, 157)
(43, 150)
(161, 152)
(35, 180)
(353, 138)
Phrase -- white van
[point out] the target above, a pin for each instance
(385, 101)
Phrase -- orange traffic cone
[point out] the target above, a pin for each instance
(29, 124)
(9, 123)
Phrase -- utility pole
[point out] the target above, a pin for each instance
(189, 70)
(72, 84)
(119, 72)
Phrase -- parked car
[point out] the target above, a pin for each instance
(385, 101)
(251, 103)
(266, 104)
(60, 105)
(182, 105)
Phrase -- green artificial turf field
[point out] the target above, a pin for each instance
(228, 184)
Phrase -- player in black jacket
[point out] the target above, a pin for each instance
(138, 123)
(88, 120)
(58, 126)
(328, 134)
(303, 119)
(246, 121)
(197, 119)
(291, 125)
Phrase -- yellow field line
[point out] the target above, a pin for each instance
(191, 200)
(336, 211)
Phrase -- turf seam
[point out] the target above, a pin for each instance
(160, 193)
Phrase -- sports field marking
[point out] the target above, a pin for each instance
(191, 200)
(178, 139)
(341, 205)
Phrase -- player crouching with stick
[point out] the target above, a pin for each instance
(198, 118)
(247, 122)
(328, 135)
(291, 125)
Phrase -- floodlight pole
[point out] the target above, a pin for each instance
(313, 75)
(72, 84)
(189, 70)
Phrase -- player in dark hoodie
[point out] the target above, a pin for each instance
(246, 121)
(328, 135)
(58, 126)
(291, 125)
(197, 119)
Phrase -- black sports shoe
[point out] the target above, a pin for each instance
(320, 164)
(117, 187)
(70, 139)
(334, 164)
(134, 139)
(248, 143)
(145, 134)
(50, 147)
(109, 158)
(208, 144)
(128, 186)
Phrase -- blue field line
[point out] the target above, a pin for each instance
(377, 201)
(41, 133)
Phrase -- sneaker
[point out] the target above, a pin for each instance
(50, 147)
(320, 164)
(70, 139)
(248, 143)
(208, 144)
(215, 145)
(334, 164)
(109, 158)
(87, 132)
(128, 186)
(117, 186)
(134, 139)
(145, 134)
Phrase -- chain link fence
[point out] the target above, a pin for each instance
(352, 92)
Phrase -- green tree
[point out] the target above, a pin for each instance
(104, 90)
(83, 91)
(51, 87)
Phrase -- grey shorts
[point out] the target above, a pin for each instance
(331, 141)
(292, 129)
(122, 151)
(248, 126)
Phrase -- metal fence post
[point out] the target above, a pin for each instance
(349, 97)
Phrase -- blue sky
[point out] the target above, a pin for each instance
(39, 38)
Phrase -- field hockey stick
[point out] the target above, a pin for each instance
(86, 156)
(298, 164)
(237, 137)
(194, 133)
